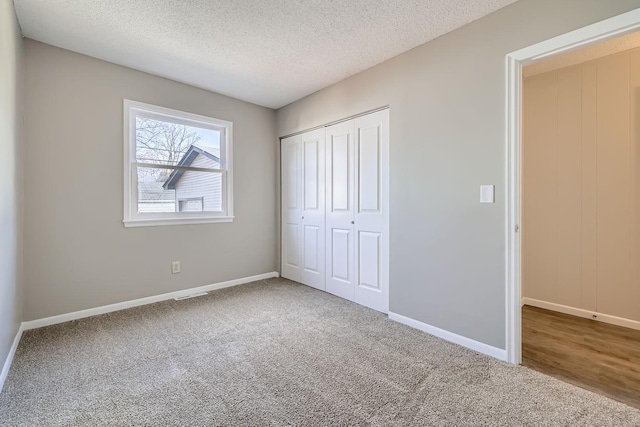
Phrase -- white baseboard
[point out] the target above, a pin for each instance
(38, 323)
(601, 317)
(478, 346)
(9, 359)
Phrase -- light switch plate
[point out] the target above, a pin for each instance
(487, 193)
(175, 267)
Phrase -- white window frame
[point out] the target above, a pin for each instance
(132, 218)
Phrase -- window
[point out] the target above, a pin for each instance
(177, 167)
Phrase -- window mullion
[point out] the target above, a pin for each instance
(182, 168)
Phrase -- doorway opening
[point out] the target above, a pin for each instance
(540, 207)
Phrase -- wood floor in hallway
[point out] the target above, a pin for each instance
(594, 355)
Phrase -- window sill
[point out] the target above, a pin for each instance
(152, 222)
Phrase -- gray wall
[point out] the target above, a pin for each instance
(11, 58)
(447, 101)
(77, 253)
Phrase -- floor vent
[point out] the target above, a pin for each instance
(199, 294)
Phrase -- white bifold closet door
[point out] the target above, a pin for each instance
(357, 214)
(335, 209)
(303, 232)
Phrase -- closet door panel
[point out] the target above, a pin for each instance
(340, 210)
(311, 179)
(369, 176)
(340, 255)
(369, 260)
(311, 243)
(292, 245)
(372, 210)
(290, 180)
(291, 209)
(313, 211)
(341, 182)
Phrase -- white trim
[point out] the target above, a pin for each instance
(148, 222)
(9, 360)
(478, 346)
(131, 217)
(513, 288)
(593, 315)
(607, 29)
(47, 321)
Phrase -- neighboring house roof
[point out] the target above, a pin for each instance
(186, 160)
(154, 191)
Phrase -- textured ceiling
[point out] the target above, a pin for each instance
(269, 52)
(598, 50)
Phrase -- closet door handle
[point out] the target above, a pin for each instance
(353, 222)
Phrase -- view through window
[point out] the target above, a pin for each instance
(171, 144)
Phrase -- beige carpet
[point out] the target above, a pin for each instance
(275, 353)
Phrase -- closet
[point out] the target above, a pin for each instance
(335, 209)
(581, 189)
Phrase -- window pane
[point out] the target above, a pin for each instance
(171, 190)
(168, 143)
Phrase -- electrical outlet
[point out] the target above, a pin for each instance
(175, 267)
